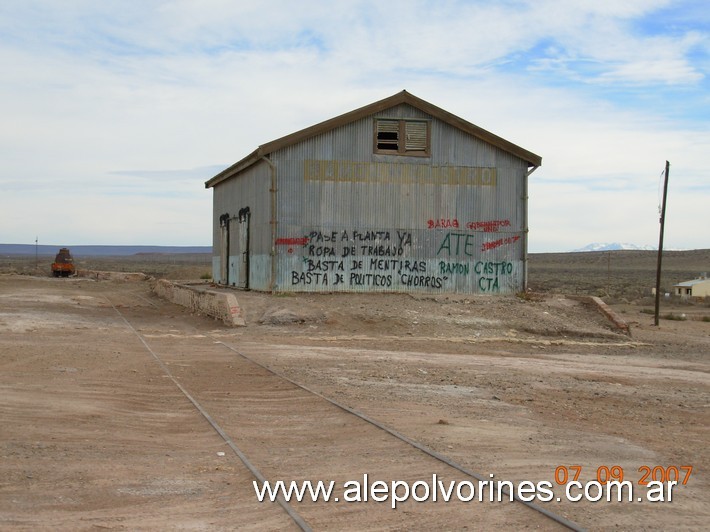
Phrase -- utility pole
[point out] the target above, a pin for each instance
(660, 247)
(36, 253)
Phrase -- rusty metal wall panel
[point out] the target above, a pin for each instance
(356, 221)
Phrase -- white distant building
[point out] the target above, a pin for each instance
(695, 288)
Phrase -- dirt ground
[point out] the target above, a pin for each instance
(95, 435)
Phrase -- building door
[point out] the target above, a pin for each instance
(244, 219)
(224, 249)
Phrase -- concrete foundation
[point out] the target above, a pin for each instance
(112, 276)
(616, 320)
(219, 304)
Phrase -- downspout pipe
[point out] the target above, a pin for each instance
(273, 221)
(526, 228)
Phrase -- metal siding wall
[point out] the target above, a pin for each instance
(395, 227)
(250, 189)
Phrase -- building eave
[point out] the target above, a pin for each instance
(402, 97)
(694, 282)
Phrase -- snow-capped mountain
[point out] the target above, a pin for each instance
(596, 246)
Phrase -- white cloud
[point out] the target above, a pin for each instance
(108, 104)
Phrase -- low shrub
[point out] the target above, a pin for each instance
(674, 317)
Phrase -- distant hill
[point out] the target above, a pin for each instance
(615, 246)
(99, 251)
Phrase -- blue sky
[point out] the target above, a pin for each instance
(116, 112)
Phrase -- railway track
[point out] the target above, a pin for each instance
(280, 429)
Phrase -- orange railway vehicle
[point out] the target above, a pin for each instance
(63, 265)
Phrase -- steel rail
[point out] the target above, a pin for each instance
(434, 454)
(571, 525)
(240, 454)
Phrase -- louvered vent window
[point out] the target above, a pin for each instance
(388, 135)
(402, 137)
(415, 136)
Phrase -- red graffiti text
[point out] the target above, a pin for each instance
(491, 226)
(292, 241)
(443, 223)
(487, 246)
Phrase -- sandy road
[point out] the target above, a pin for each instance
(102, 436)
(291, 434)
(95, 435)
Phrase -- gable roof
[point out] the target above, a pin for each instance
(692, 283)
(376, 107)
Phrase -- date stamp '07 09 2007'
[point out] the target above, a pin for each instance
(678, 474)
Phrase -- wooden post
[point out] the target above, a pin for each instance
(660, 247)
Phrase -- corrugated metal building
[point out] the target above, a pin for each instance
(399, 195)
